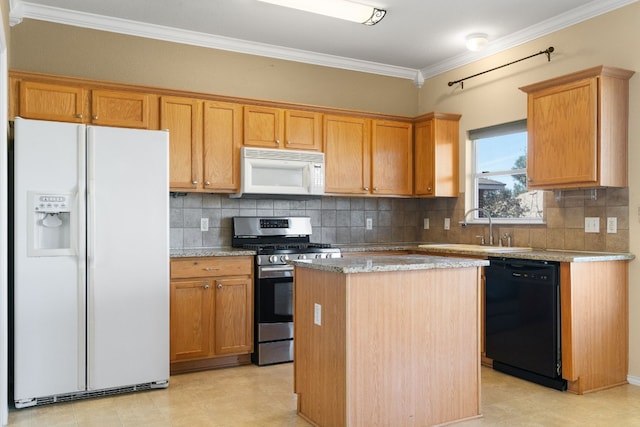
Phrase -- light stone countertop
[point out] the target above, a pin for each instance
(558, 255)
(209, 251)
(383, 263)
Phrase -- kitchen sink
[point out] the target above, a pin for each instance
(474, 248)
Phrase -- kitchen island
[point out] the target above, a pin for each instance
(387, 340)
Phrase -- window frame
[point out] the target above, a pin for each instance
(487, 132)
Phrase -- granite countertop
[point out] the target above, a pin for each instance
(559, 255)
(209, 251)
(376, 264)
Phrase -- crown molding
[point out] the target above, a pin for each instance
(23, 10)
(20, 9)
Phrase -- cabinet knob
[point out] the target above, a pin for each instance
(366, 188)
(207, 183)
(206, 286)
(375, 189)
(78, 116)
(210, 268)
(94, 117)
(277, 142)
(194, 182)
(288, 142)
(428, 188)
(219, 286)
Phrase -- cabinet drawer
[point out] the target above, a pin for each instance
(211, 266)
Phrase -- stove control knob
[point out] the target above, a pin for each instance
(320, 256)
(284, 258)
(302, 257)
(273, 259)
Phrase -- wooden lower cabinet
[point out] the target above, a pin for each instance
(211, 312)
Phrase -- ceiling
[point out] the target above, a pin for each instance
(416, 39)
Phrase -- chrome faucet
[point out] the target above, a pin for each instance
(464, 222)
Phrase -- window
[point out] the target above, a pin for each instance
(500, 174)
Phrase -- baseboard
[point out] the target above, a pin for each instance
(633, 380)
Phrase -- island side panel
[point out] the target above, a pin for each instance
(413, 347)
(319, 350)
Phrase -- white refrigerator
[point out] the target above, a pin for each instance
(91, 261)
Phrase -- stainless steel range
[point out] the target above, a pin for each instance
(276, 240)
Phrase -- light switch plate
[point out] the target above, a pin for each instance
(369, 224)
(204, 224)
(447, 223)
(426, 223)
(612, 225)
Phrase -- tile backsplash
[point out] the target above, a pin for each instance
(342, 220)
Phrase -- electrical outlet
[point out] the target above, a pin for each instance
(612, 225)
(204, 224)
(317, 314)
(426, 223)
(369, 224)
(447, 223)
(592, 224)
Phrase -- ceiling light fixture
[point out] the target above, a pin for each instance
(342, 9)
(476, 41)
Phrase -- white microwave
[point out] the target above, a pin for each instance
(280, 172)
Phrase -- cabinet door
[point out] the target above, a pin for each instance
(424, 159)
(45, 101)
(221, 142)
(122, 109)
(233, 315)
(392, 158)
(263, 127)
(562, 127)
(436, 169)
(181, 117)
(190, 319)
(347, 150)
(303, 130)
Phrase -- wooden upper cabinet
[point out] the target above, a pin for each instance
(347, 151)
(303, 130)
(577, 126)
(205, 138)
(392, 158)
(263, 126)
(70, 103)
(122, 109)
(436, 158)
(222, 138)
(181, 116)
(268, 127)
(47, 101)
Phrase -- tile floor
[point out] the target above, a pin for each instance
(263, 397)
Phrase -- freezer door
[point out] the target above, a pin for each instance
(128, 257)
(49, 284)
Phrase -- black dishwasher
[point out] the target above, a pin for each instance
(523, 319)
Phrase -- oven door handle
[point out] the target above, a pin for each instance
(277, 268)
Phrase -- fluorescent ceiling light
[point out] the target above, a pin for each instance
(341, 9)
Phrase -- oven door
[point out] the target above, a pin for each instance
(274, 294)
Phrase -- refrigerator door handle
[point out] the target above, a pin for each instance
(81, 258)
(91, 253)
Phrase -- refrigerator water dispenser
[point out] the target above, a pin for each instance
(50, 224)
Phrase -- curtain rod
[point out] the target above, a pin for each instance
(547, 52)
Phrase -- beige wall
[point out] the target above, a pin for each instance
(494, 98)
(486, 100)
(59, 49)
